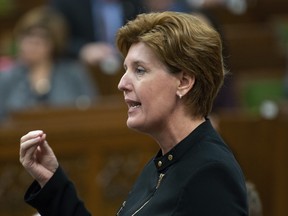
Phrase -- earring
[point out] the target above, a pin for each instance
(179, 95)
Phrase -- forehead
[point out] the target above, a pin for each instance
(35, 31)
(140, 52)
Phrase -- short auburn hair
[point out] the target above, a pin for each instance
(182, 42)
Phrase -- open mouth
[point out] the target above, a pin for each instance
(133, 104)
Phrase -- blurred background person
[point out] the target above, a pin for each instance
(93, 25)
(40, 75)
(254, 201)
(235, 6)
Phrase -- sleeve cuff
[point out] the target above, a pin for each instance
(36, 196)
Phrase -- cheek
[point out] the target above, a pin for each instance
(159, 98)
(157, 92)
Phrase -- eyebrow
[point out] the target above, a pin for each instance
(135, 63)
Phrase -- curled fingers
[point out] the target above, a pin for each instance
(29, 144)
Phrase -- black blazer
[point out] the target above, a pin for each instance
(78, 14)
(199, 177)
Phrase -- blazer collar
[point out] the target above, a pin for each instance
(163, 162)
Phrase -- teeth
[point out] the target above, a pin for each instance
(134, 105)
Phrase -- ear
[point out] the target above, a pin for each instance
(186, 83)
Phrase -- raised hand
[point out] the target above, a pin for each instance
(37, 157)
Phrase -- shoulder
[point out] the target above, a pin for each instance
(212, 177)
(216, 172)
(210, 159)
(214, 157)
(214, 189)
(12, 76)
(209, 146)
(214, 182)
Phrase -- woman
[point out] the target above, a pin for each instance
(174, 70)
(40, 75)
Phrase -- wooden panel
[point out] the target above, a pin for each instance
(281, 152)
(261, 148)
(266, 8)
(253, 46)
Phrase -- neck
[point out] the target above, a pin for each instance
(176, 132)
(39, 75)
(44, 64)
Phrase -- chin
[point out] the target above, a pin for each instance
(132, 125)
(135, 126)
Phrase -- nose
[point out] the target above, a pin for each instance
(123, 83)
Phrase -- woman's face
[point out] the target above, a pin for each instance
(34, 48)
(149, 90)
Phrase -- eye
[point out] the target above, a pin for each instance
(125, 67)
(140, 70)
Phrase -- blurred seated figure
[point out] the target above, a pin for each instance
(254, 202)
(235, 6)
(40, 76)
(93, 25)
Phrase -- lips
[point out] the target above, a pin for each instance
(132, 103)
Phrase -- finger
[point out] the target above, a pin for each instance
(44, 136)
(28, 147)
(28, 159)
(30, 139)
(45, 148)
(31, 134)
